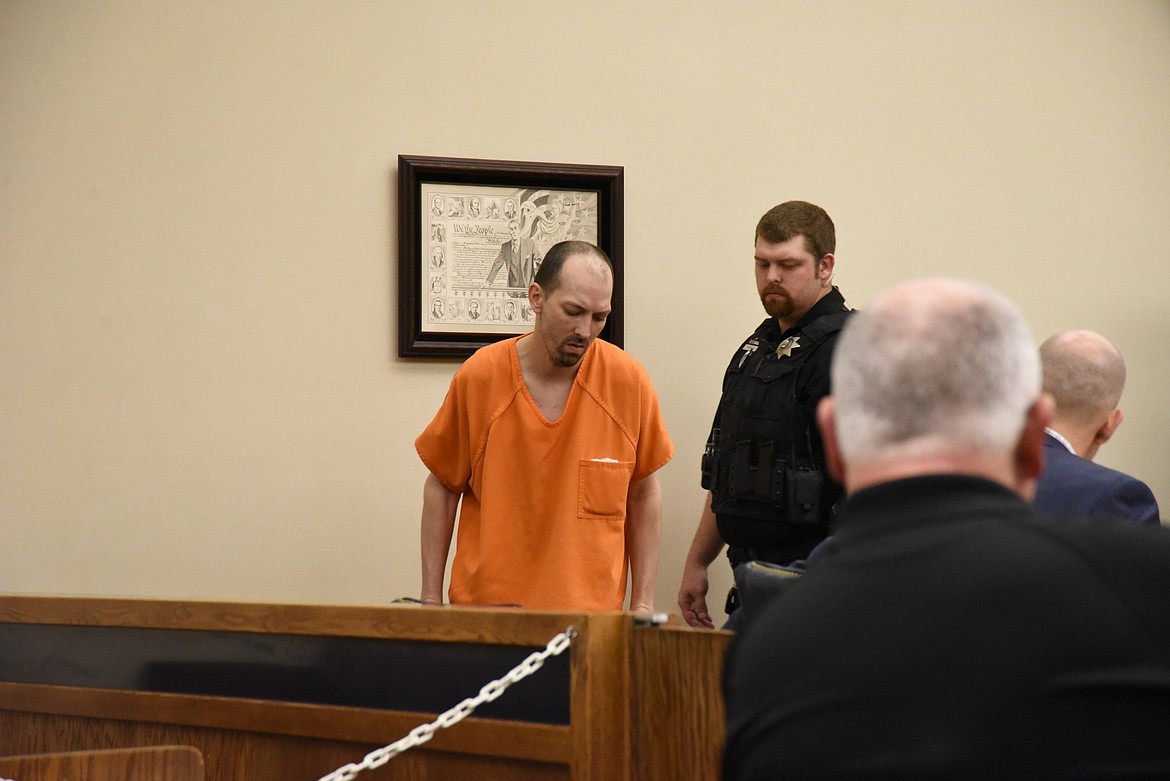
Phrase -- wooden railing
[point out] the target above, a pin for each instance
(287, 692)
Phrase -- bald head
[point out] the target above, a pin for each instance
(1084, 373)
(933, 368)
(548, 276)
(1085, 376)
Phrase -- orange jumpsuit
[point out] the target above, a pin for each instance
(542, 522)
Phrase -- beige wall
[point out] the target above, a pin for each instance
(199, 389)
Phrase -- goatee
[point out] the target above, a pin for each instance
(779, 305)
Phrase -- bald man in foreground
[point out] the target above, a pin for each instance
(951, 630)
(1085, 376)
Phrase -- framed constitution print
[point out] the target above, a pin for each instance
(471, 236)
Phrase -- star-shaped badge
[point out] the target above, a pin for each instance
(786, 347)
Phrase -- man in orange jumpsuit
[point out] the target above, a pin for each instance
(552, 440)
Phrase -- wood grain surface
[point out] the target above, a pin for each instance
(645, 701)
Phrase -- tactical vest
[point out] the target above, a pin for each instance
(759, 462)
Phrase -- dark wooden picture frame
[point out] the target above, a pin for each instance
(415, 172)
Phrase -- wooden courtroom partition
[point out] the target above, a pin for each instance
(286, 692)
(160, 763)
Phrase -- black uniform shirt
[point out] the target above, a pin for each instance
(771, 389)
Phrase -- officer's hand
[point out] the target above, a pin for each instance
(692, 597)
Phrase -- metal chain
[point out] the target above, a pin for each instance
(424, 732)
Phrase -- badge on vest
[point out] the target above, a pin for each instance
(784, 350)
(748, 348)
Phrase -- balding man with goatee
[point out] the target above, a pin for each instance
(1085, 376)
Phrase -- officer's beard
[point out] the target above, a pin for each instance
(779, 305)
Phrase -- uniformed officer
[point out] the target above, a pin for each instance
(769, 497)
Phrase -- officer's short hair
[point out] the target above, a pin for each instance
(548, 276)
(799, 218)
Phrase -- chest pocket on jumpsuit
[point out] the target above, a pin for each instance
(602, 489)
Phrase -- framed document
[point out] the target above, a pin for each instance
(472, 234)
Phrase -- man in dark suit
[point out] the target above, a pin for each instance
(949, 629)
(519, 256)
(1085, 376)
